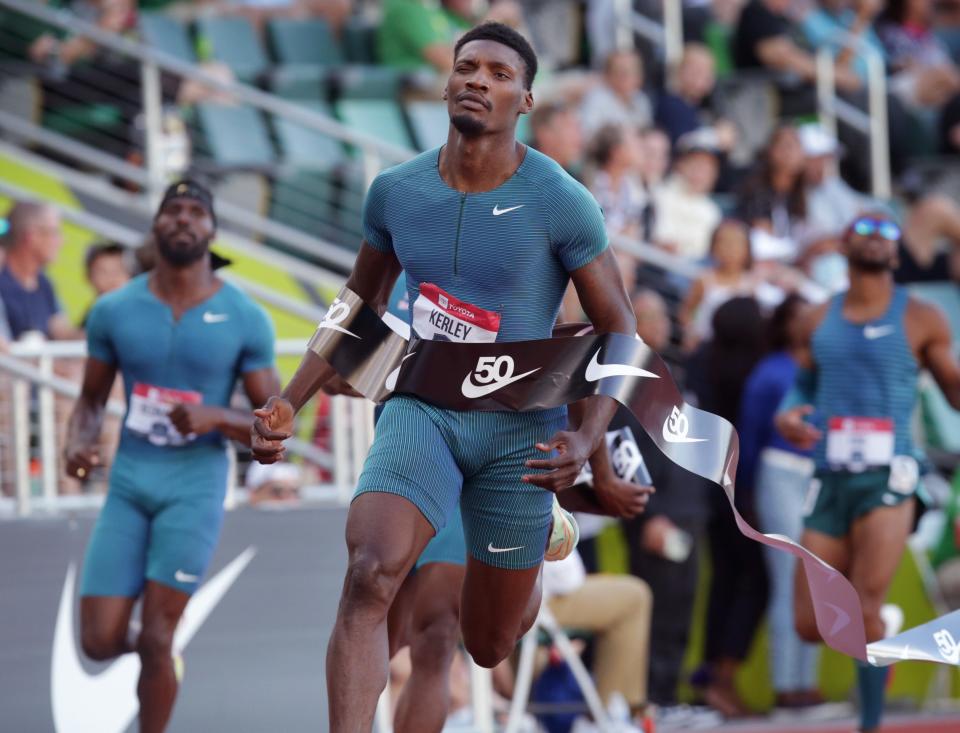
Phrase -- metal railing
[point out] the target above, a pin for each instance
(872, 123)
(31, 367)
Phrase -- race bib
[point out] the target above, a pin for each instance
(438, 316)
(149, 413)
(859, 443)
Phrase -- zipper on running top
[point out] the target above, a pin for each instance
(456, 242)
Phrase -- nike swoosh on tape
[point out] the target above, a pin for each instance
(491, 548)
(497, 211)
(334, 327)
(596, 370)
(842, 620)
(107, 702)
(391, 381)
(473, 391)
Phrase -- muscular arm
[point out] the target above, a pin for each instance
(937, 354)
(83, 429)
(608, 307)
(374, 274)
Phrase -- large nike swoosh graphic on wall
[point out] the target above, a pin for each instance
(107, 702)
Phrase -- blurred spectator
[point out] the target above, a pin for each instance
(416, 34)
(847, 24)
(729, 276)
(274, 483)
(654, 164)
(764, 40)
(35, 238)
(779, 475)
(773, 198)
(260, 12)
(653, 319)
(554, 27)
(616, 608)
(930, 246)
(686, 215)
(619, 99)
(738, 587)
(687, 108)
(925, 77)
(615, 157)
(108, 266)
(555, 132)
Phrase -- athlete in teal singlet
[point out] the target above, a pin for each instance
(858, 386)
(488, 234)
(181, 338)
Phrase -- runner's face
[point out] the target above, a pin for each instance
(871, 243)
(485, 92)
(183, 230)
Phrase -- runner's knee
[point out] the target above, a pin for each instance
(371, 582)
(490, 647)
(155, 643)
(100, 644)
(434, 642)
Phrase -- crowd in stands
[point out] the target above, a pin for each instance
(758, 221)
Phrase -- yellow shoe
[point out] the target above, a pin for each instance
(178, 667)
(563, 536)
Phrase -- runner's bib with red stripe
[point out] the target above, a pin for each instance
(149, 413)
(858, 443)
(439, 316)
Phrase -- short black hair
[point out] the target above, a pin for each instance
(102, 249)
(506, 35)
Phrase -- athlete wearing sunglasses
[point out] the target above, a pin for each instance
(852, 403)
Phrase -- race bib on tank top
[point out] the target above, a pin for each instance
(859, 443)
(439, 316)
(149, 413)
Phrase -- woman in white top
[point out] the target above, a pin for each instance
(731, 274)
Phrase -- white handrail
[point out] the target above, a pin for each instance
(874, 123)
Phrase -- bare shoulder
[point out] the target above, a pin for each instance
(926, 320)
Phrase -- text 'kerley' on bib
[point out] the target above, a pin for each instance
(149, 413)
(438, 316)
(858, 443)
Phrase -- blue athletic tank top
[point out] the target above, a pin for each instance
(865, 370)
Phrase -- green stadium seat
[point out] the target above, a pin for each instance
(359, 41)
(305, 147)
(235, 136)
(306, 83)
(303, 42)
(308, 201)
(369, 82)
(430, 122)
(233, 41)
(947, 296)
(380, 118)
(168, 35)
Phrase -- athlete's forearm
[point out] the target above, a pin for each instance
(85, 422)
(310, 376)
(235, 424)
(597, 413)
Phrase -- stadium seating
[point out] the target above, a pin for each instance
(168, 35)
(233, 41)
(235, 136)
(380, 118)
(304, 147)
(303, 42)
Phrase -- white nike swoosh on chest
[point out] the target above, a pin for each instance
(497, 211)
(876, 332)
(107, 702)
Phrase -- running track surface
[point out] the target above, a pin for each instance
(893, 724)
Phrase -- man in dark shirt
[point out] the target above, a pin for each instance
(35, 238)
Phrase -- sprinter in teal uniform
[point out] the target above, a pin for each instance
(489, 233)
(181, 338)
(852, 402)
